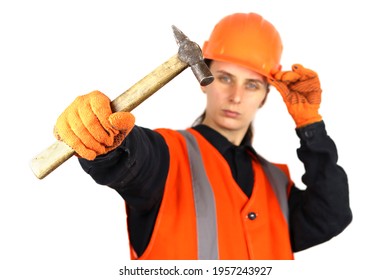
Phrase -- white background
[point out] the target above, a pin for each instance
(52, 51)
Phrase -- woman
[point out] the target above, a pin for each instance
(204, 192)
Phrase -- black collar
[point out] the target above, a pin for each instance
(220, 142)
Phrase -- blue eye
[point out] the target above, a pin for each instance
(225, 79)
(253, 85)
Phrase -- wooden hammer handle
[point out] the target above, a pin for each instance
(56, 154)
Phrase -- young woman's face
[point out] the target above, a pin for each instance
(233, 98)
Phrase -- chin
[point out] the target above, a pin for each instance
(230, 126)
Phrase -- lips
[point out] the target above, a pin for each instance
(231, 114)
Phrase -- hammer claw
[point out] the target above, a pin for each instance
(190, 53)
(179, 35)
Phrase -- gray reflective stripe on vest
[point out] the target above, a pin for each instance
(279, 181)
(206, 218)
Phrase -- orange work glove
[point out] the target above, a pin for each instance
(301, 91)
(90, 128)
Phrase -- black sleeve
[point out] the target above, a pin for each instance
(137, 169)
(322, 210)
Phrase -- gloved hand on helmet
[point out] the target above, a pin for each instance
(301, 91)
(90, 128)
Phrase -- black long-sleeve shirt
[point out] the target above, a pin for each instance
(138, 169)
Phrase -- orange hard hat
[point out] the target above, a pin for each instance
(245, 39)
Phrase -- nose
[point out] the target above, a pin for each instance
(236, 95)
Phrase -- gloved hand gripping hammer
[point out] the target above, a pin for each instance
(189, 54)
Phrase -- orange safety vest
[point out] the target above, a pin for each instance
(204, 214)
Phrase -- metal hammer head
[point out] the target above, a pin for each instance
(190, 53)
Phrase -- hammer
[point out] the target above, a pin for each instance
(189, 54)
